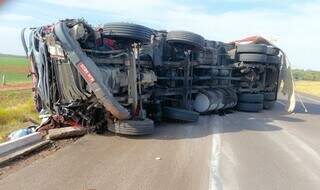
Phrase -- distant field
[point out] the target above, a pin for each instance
(16, 108)
(308, 87)
(14, 68)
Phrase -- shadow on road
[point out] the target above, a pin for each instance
(311, 103)
(211, 124)
(228, 123)
(311, 108)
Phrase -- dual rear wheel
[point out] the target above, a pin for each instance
(250, 102)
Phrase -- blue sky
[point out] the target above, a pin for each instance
(293, 24)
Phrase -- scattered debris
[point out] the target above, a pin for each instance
(50, 122)
(20, 133)
(66, 132)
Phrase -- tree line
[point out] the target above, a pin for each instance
(300, 74)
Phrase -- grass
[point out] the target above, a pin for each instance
(12, 78)
(14, 68)
(308, 87)
(13, 60)
(16, 108)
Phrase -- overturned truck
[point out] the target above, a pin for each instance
(125, 76)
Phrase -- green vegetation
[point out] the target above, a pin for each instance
(16, 107)
(310, 75)
(15, 69)
(13, 60)
(11, 78)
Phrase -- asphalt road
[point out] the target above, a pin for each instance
(269, 150)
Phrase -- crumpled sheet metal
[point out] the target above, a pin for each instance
(53, 121)
(286, 78)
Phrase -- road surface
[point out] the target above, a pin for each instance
(269, 150)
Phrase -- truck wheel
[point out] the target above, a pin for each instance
(185, 37)
(252, 48)
(250, 57)
(273, 59)
(233, 95)
(269, 96)
(268, 104)
(128, 30)
(250, 107)
(250, 98)
(132, 127)
(272, 50)
(180, 114)
(229, 98)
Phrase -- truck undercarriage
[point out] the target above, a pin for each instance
(127, 76)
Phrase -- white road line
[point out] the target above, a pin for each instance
(282, 103)
(311, 99)
(301, 151)
(301, 102)
(214, 181)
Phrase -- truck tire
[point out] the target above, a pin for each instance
(128, 30)
(250, 57)
(250, 107)
(272, 50)
(180, 114)
(185, 37)
(230, 99)
(273, 59)
(268, 104)
(234, 96)
(269, 96)
(250, 98)
(132, 127)
(252, 48)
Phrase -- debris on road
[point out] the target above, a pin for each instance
(66, 132)
(20, 133)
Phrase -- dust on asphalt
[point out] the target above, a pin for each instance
(22, 162)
